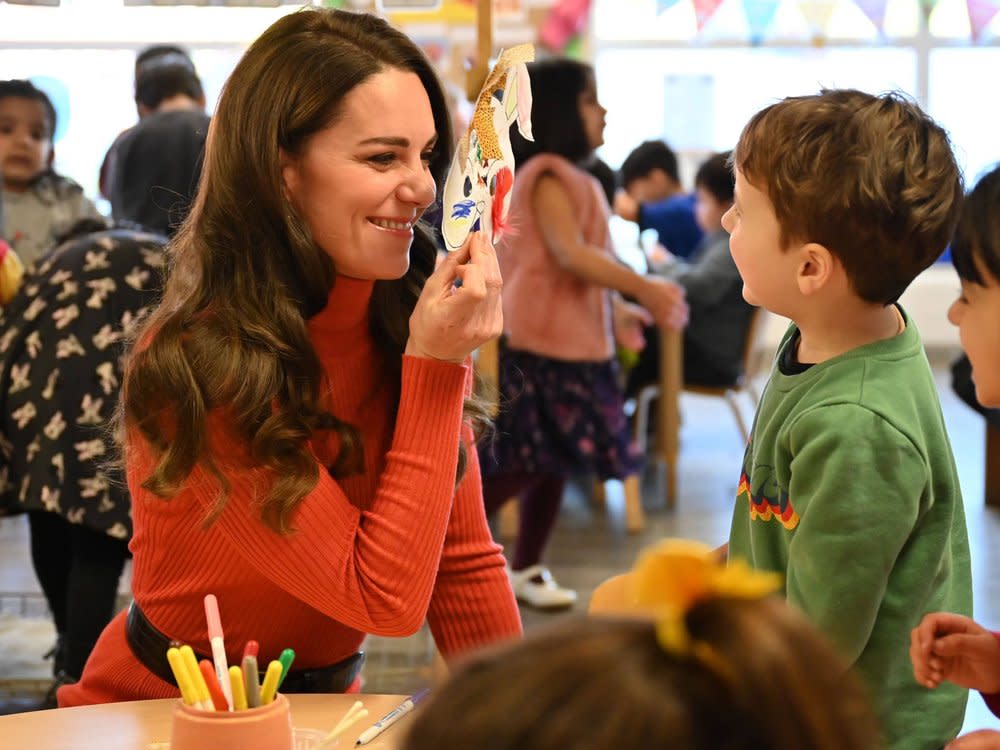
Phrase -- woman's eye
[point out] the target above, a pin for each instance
(382, 159)
(427, 157)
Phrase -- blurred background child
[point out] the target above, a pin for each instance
(561, 405)
(39, 204)
(719, 316)
(654, 198)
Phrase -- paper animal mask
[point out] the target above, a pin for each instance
(477, 191)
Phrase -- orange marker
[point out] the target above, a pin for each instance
(214, 689)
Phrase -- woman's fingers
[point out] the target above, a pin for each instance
(460, 308)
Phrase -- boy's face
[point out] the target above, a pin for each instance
(708, 211)
(977, 314)
(25, 141)
(769, 272)
(650, 188)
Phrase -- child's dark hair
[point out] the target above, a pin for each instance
(646, 157)
(871, 178)
(605, 175)
(556, 86)
(162, 54)
(716, 176)
(763, 678)
(162, 82)
(975, 250)
(23, 89)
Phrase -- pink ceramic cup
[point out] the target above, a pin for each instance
(266, 728)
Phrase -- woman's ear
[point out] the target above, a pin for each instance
(289, 175)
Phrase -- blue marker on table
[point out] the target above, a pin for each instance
(392, 717)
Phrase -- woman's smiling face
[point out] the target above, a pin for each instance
(361, 183)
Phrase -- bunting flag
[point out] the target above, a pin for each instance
(759, 15)
(981, 12)
(662, 5)
(817, 14)
(565, 20)
(703, 10)
(874, 10)
(928, 6)
(225, 3)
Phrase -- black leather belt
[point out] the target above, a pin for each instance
(150, 647)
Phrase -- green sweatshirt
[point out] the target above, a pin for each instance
(849, 490)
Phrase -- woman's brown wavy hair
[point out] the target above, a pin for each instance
(245, 274)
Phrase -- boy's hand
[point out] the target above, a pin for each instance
(955, 648)
(984, 739)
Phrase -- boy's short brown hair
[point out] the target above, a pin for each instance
(871, 178)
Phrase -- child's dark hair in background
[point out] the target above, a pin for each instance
(975, 250)
(715, 175)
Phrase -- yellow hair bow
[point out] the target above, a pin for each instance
(673, 575)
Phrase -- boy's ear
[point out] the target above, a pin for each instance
(817, 268)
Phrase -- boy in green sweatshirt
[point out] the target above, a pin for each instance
(849, 488)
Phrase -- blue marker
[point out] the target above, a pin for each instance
(392, 717)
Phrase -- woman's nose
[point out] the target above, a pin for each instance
(419, 189)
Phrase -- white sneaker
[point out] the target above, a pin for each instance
(544, 594)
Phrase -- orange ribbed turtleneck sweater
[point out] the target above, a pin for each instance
(418, 549)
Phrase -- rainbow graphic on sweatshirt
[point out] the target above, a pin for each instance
(764, 508)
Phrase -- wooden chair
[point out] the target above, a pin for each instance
(744, 384)
(672, 383)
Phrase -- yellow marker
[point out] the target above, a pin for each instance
(239, 691)
(188, 694)
(197, 679)
(270, 686)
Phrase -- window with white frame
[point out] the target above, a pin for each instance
(694, 71)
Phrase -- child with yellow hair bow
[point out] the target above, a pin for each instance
(687, 653)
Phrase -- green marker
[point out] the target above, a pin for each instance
(286, 659)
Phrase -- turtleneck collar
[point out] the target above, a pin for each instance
(345, 316)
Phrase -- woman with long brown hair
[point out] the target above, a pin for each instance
(297, 414)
